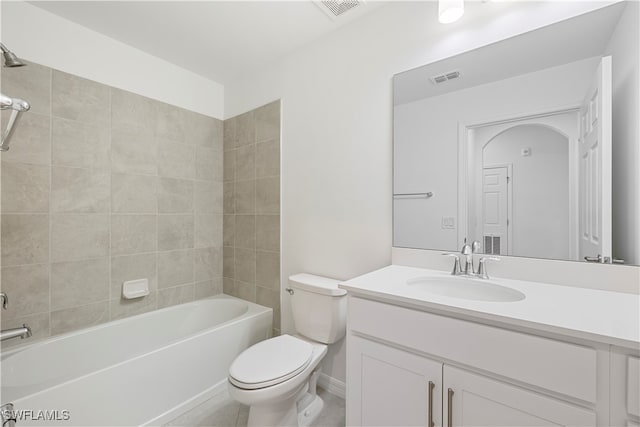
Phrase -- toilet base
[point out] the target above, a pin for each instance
(309, 408)
(300, 410)
(282, 413)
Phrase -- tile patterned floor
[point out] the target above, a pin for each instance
(222, 411)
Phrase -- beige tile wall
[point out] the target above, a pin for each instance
(101, 186)
(252, 207)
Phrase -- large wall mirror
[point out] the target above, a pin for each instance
(528, 146)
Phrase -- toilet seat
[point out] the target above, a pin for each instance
(270, 362)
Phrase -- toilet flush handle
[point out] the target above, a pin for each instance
(289, 290)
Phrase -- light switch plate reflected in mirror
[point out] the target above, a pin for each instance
(448, 223)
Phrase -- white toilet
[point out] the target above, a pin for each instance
(277, 377)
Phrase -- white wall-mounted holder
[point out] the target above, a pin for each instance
(135, 288)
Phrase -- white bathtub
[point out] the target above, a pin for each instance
(143, 370)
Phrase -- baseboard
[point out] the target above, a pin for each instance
(332, 385)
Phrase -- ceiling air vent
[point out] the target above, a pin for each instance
(451, 75)
(335, 8)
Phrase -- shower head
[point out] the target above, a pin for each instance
(10, 59)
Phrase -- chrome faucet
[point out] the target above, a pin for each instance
(466, 255)
(7, 415)
(468, 251)
(7, 334)
(23, 332)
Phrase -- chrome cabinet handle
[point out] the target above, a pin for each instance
(431, 387)
(450, 408)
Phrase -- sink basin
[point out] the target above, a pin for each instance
(466, 288)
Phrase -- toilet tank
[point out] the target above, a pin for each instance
(319, 307)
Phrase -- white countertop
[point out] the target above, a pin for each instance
(595, 315)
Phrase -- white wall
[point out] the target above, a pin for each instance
(40, 36)
(336, 127)
(624, 48)
(426, 141)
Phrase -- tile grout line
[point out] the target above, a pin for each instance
(193, 211)
(156, 253)
(50, 214)
(156, 190)
(232, 181)
(278, 143)
(110, 207)
(255, 209)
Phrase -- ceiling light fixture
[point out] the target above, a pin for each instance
(450, 10)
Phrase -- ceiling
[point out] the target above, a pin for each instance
(218, 40)
(581, 37)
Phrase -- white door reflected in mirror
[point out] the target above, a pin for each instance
(595, 167)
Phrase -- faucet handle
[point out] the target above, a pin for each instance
(5, 300)
(482, 270)
(456, 263)
(475, 246)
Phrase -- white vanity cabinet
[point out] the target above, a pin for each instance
(478, 375)
(633, 388)
(625, 388)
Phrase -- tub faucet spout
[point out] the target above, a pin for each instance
(7, 415)
(23, 332)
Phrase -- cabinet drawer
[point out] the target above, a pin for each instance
(553, 365)
(633, 386)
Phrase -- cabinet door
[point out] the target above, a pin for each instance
(481, 401)
(633, 386)
(391, 387)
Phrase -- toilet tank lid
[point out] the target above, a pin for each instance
(316, 284)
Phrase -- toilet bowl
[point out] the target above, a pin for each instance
(277, 377)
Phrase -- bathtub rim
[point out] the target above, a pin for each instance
(252, 309)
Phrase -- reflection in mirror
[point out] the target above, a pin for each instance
(521, 147)
(540, 156)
